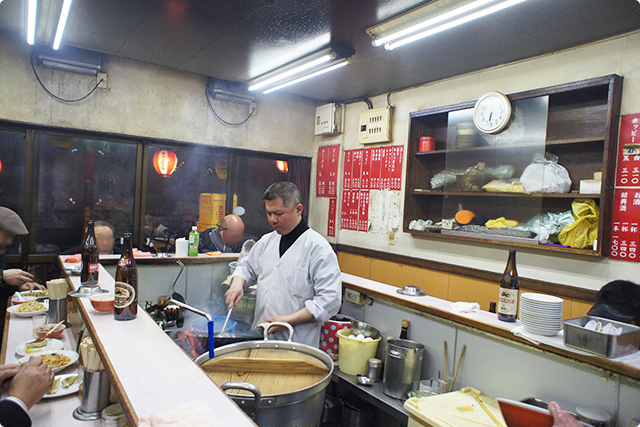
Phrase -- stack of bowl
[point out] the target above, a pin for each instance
(541, 314)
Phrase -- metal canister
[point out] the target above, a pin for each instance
(374, 369)
(403, 367)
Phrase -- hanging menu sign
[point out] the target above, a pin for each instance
(396, 167)
(353, 210)
(363, 215)
(628, 171)
(386, 163)
(366, 169)
(356, 169)
(344, 210)
(332, 170)
(331, 223)
(321, 172)
(376, 157)
(348, 166)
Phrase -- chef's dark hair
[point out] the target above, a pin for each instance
(287, 191)
(105, 224)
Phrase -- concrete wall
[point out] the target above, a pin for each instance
(617, 55)
(149, 101)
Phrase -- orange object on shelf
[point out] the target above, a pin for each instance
(464, 217)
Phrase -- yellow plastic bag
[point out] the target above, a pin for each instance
(584, 231)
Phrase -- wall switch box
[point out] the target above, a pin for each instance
(375, 125)
(329, 119)
(353, 297)
(102, 81)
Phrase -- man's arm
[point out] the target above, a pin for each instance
(12, 415)
(327, 284)
(244, 276)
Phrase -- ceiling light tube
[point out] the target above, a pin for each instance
(292, 72)
(64, 15)
(452, 24)
(32, 8)
(431, 22)
(332, 67)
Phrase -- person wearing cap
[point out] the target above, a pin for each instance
(618, 300)
(14, 279)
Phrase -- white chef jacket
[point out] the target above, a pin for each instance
(307, 275)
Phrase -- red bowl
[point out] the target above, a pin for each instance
(41, 331)
(518, 414)
(14, 301)
(102, 302)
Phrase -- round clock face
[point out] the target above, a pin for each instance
(492, 112)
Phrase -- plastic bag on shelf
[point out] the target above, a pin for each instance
(506, 185)
(446, 177)
(548, 225)
(584, 230)
(546, 176)
(499, 172)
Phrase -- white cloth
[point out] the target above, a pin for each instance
(464, 307)
(307, 275)
(189, 415)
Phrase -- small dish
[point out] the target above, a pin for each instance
(41, 331)
(51, 345)
(60, 390)
(15, 301)
(102, 302)
(518, 414)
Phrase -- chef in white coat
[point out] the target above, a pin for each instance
(297, 272)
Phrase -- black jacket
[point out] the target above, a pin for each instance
(209, 244)
(12, 415)
(6, 290)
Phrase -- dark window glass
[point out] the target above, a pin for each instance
(173, 201)
(80, 179)
(12, 174)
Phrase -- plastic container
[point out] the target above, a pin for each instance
(194, 241)
(328, 334)
(354, 354)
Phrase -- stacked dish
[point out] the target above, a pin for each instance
(541, 314)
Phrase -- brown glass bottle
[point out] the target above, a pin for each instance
(509, 288)
(126, 289)
(404, 331)
(90, 261)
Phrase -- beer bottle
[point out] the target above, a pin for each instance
(126, 289)
(509, 288)
(90, 261)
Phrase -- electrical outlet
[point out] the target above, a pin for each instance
(353, 296)
(101, 81)
(392, 237)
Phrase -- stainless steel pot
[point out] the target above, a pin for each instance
(301, 408)
(403, 367)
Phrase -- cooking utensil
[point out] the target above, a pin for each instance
(453, 381)
(358, 327)
(224, 326)
(403, 367)
(172, 292)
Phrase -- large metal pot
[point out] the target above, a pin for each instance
(403, 367)
(301, 408)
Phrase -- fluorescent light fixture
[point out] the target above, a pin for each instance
(435, 24)
(299, 69)
(71, 65)
(32, 8)
(332, 67)
(64, 15)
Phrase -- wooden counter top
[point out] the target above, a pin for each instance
(171, 259)
(485, 322)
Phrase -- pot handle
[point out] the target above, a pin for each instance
(257, 396)
(396, 354)
(268, 326)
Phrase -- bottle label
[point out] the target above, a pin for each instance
(508, 301)
(125, 294)
(92, 267)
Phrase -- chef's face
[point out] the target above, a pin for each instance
(283, 219)
(6, 239)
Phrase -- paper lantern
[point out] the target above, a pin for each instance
(282, 165)
(0, 165)
(165, 162)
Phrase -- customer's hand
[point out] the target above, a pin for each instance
(31, 286)
(235, 292)
(32, 381)
(7, 372)
(562, 418)
(16, 277)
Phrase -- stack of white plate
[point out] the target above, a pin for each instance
(541, 314)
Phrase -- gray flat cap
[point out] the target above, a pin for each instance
(11, 222)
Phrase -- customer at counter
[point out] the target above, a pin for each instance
(13, 279)
(297, 272)
(227, 237)
(27, 385)
(106, 240)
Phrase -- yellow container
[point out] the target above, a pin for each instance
(353, 354)
(212, 207)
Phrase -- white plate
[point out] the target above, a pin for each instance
(73, 388)
(554, 323)
(537, 308)
(541, 298)
(26, 293)
(552, 319)
(71, 354)
(13, 309)
(52, 345)
(544, 333)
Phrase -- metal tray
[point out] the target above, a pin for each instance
(575, 335)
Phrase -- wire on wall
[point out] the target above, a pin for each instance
(56, 97)
(253, 110)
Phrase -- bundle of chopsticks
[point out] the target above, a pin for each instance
(90, 358)
(58, 289)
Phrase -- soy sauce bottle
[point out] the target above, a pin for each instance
(509, 289)
(126, 289)
(90, 261)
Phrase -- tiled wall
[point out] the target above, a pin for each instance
(452, 287)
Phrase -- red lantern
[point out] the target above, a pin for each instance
(282, 165)
(0, 165)
(165, 162)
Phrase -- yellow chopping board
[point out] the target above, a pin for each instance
(465, 408)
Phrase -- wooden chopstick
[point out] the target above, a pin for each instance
(446, 380)
(453, 381)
